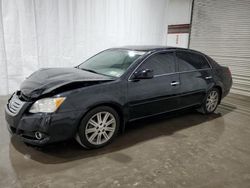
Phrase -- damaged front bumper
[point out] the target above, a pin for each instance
(52, 127)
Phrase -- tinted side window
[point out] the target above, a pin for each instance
(161, 63)
(191, 61)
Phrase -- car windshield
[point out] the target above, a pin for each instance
(111, 62)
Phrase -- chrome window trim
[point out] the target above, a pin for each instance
(158, 75)
(179, 72)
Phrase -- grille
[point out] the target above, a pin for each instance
(15, 105)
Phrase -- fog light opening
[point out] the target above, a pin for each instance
(38, 135)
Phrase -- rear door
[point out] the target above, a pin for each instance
(195, 77)
(159, 94)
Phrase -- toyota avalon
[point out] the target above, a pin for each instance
(94, 100)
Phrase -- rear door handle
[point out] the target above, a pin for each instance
(174, 83)
(208, 77)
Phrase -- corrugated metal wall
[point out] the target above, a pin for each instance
(221, 29)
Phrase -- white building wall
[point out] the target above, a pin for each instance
(46, 33)
(179, 12)
(179, 40)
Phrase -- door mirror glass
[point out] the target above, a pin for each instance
(144, 74)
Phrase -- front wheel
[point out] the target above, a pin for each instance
(98, 127)
(211, 102)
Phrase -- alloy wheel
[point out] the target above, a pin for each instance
(100, 128)
(212, 101)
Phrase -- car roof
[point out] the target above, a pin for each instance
(152, 48)
(148, 48)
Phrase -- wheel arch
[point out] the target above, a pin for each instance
(220, 90)
(117, 107)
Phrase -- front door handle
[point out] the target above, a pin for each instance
(174, 83)
(208, 77)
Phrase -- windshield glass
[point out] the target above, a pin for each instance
(111, 62)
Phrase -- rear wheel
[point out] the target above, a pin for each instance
(98, 127)
(211, 102)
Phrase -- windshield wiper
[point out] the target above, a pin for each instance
(89, 70)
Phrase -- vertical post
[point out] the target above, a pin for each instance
(191, 22)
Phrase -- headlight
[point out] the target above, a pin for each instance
(46, 105)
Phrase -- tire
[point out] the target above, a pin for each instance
(98, 127)
(211, 101)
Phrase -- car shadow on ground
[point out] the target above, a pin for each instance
(136, 132)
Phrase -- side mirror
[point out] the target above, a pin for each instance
(143, 74)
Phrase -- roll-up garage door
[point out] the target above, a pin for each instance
(221, 29)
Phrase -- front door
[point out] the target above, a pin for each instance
(156, 95)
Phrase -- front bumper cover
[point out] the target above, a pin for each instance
(53, 126)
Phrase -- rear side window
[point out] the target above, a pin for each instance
(191, 61)
(161, 63)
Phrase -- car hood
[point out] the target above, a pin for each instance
(47, 80)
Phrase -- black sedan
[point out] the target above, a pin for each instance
(96, 99)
